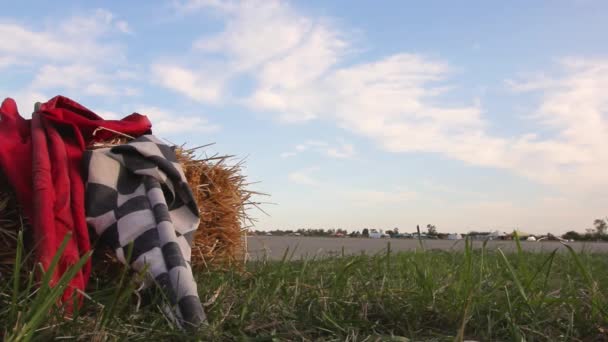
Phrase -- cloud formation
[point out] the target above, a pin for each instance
(339, 150)
(82, 55)
(301, 72)
(167, 123)
(77, 39)
(304, 177)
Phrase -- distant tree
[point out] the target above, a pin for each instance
(600, 226)
(431, 229)
(365, 232)
(572, 235)
(396, 230)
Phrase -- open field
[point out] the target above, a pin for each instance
(470, 293)
(274, 246)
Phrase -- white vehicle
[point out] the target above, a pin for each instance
(375, 234)
(454, 236)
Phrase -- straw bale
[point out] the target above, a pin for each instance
(220, 192)
(11, 221)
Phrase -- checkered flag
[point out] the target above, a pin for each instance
(137, 193)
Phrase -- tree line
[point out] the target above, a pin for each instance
(597, 233)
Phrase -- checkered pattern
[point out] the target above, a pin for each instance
(137, 193)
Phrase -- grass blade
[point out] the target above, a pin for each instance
(514, 277)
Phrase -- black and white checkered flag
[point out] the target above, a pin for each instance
(137, 193)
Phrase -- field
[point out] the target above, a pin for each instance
(273, 247)
(398, 293)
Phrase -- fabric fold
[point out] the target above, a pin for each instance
(137, 193)
(42, 159)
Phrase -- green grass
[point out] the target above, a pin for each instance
(426, 295)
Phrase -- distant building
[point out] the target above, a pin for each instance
(375, 234)
(455, 236)
(404, 236)
(496, 235)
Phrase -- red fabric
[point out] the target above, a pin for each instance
(42, 159)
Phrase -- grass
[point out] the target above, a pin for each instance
(424, 295)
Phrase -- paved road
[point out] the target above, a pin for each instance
(274, 246)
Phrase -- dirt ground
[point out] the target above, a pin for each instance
(274, 247)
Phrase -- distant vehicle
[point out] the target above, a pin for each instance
(454, 236)
(404, 236)
(375, 234)
(531, 238)
(268, 234)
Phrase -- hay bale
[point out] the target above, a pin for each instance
(11, 221)
(221, 195)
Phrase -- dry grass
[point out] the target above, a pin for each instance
(10, 222)
(220, 190)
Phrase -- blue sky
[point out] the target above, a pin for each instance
(352, 114)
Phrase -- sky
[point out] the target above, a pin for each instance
(469, 115)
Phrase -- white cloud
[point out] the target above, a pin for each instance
(6, 61)
(74, 39)
(84, 78)
(124, 27)
(574, 106)
(341, 150)
(301, 73)
(109, 115)
(188, 6)
(166, 123)
(26, 99)
(80, 54)
(266, 40)
(304, 177)
(301, 147)
(186, 82)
